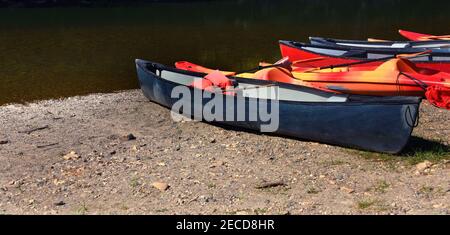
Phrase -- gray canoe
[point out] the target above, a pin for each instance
(381, 124)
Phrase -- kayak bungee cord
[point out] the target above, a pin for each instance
(419, 82)
(411, 117)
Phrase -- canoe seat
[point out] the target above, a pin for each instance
(275, 74)
(405, 66)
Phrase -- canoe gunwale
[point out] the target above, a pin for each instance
(410, 44)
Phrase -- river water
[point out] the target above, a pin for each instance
(60, 52)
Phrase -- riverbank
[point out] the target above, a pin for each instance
(120, 154)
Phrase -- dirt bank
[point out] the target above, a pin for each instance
(201, 168)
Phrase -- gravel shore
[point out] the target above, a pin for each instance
(120, 154)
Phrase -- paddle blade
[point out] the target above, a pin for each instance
(188, 66)
(414, 36)
(423, 53)
(376, 40)
(284, 63)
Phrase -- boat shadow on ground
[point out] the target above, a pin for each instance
(418, 145)
(418, 149)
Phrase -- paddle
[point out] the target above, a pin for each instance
(443, 37)
(376, 40)
(410, 56)
(284, 63)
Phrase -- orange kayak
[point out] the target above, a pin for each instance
(396, 77)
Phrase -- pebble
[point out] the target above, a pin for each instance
(347, 190)
(129, 137)
(242, 213)
(59, 203)
(203, 199)
(423, 166)
(4, 141)
(71, 156)
(160, 186)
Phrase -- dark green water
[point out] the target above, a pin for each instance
(58, 52)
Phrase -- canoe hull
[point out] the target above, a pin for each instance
(381, 124)
(298, 53)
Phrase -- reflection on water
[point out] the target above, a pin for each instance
(47, 53)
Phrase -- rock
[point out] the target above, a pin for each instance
(134, 148)
(58, 182)
(217, 164)
(31, 201)
(113, 152)
(423, 166)
(161, 186)
(129, 137)
(59, 203)
(203, 199)
(4, 141)
(71, 156)
(273, 184)
(347, 190)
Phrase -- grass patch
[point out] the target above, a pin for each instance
(134, 182)
(334, 163)
(365, 204)
(373, 204)
(260, 211)
(381, 187)
(81, 210)
(312, 190)
(426, 189)
(432, 191)
(417, 150)
(162, 210)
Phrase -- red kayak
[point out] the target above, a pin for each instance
(413, 36)
(322, 56)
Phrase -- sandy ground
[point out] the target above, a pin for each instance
(200, 168)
